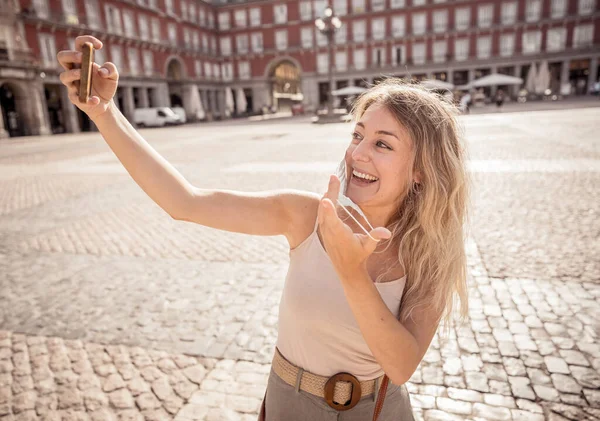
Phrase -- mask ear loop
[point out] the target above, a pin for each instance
(359, 224)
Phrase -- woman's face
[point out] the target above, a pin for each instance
(381, 150)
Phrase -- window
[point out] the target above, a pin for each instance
(224, 20)
(533, 10)
(340, 35)
(92, 14)
(360, 59)
(340, 7)
(419, 22)
(113, 19)
(205, 43)
(227, 71)
(216, 71)
(116, 55)
(377, 5)
(306, 35)
(202, 19)
(322, 63)
(156, 30)
(484, 47)
(397, 4)
(210, 20)
(148, 58)
(257, 42)
(184, 10)
(586, 7)
(213, 44)
(399, 55)
(341, 61)
(187, 40)
(418, 53)
(485, 15)
(198, 68)
(358, 6)
(305, 10)
(128, 21)
(418, 2)
(193, 16)
(321, 38)
(440, 21)
(398, 26)
(144, 28)
(509, 13)
(244, 70)
(556, 39)
(319, 8)
(241, 42)
(70, 11)
(133, 57)
(172, 30)
(99, 56)
(378, 57)
(378, 28)
(461, 49)
(169, 6)
(559, 8)
(280, 12)
(583, 36)
(207, 70)
(462, 17)
(48, 50)
(241, 18)
(281, 39)
(255, 16)
(196, 41)
(440, 49)
(41, 8)
(507, 45)
(532, 42)
(225, 44)
(359, 29)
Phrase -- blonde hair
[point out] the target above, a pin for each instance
(429, 226)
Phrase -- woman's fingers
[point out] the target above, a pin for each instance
(79, 41)
(67, 58)
(70, 76)
(109, 71)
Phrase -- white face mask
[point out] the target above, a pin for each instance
(344, 201)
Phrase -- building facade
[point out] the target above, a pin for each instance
(269, 52)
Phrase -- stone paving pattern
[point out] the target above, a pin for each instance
(111, 310)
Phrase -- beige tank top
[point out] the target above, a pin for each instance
(317, 329)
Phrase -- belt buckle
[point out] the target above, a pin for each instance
(330, 387)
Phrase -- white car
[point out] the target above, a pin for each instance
(155, 117)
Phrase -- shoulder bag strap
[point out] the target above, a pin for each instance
(380, 397)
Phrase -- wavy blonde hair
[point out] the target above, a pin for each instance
(429, 226)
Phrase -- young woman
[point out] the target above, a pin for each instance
(360, 306)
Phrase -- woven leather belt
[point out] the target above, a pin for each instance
(341, 391)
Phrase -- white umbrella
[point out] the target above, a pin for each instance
(229, 105)
(241, 102)
(437, 84)
(543, 78)
(531, 78)
(496, 79)
(348, 90)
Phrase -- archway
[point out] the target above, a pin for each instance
(13, 114)
(285, 85)
(175, 71)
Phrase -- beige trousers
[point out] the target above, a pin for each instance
(284, 402)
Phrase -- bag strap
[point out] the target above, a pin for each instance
(380, 397)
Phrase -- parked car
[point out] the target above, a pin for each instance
(181, 113)
(155, 117)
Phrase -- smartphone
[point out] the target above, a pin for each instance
(87, 60)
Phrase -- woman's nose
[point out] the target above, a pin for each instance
(361, 152)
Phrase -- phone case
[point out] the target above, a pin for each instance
(85, 84)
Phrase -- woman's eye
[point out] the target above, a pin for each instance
(355, 135)
(384, 145)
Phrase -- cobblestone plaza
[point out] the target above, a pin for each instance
(111, 310)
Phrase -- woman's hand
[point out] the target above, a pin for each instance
(348, 251)
(104, 79)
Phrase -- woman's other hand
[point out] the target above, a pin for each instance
(105, 78)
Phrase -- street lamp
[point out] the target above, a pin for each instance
(327, 25)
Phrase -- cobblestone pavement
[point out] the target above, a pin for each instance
(110, 310)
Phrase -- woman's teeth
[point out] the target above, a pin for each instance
(364, 176)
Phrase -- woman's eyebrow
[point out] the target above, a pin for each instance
(379, 131)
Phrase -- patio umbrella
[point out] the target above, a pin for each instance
(348, 90)
(229, 104)
(496, 79)
(531, 78)
(543, 78)
(241, 101)
(437, 84)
